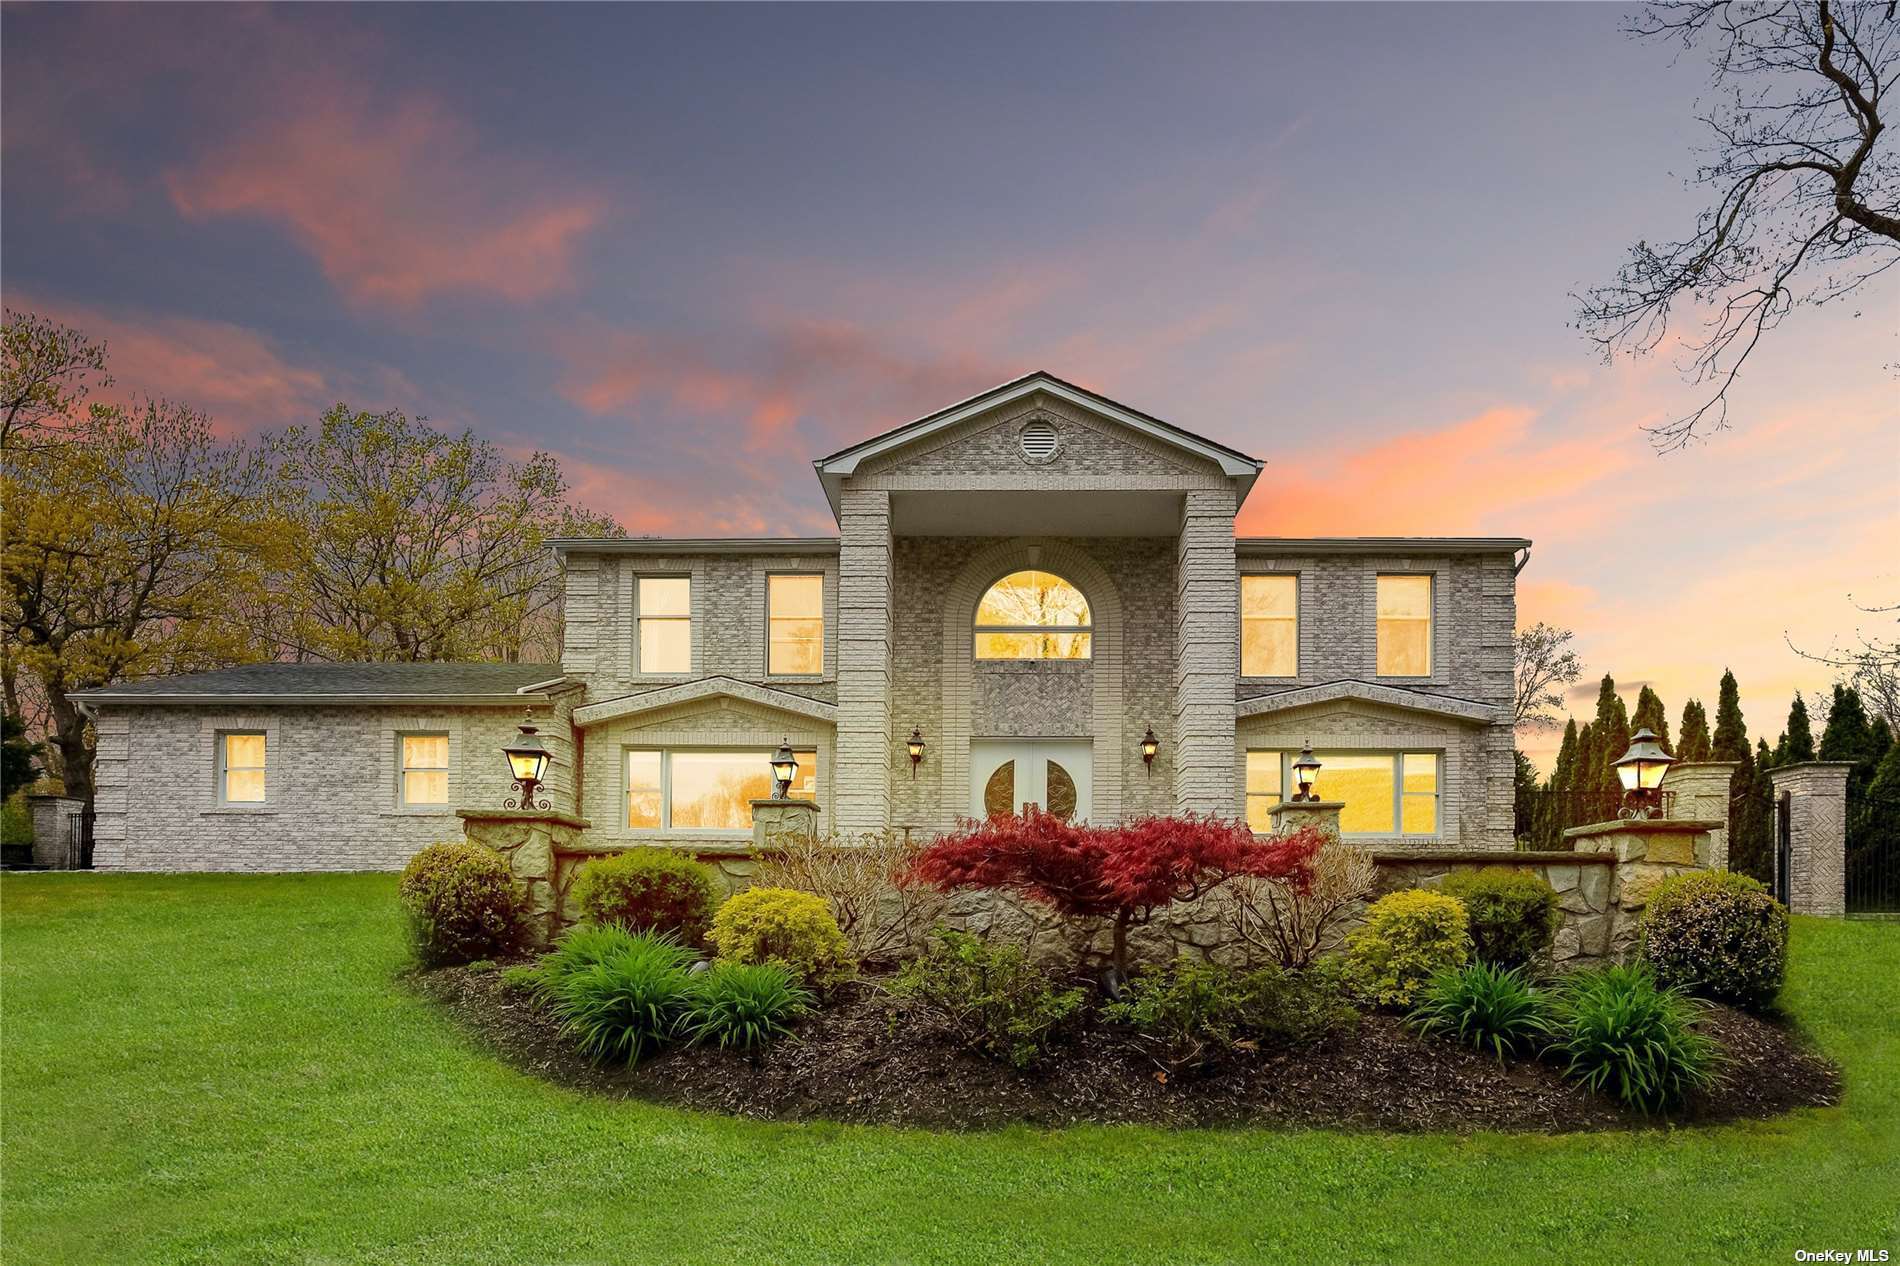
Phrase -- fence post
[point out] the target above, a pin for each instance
(1816, 811)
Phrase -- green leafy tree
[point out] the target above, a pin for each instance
(1650, 713)
(1694, 744)
(1797, 743)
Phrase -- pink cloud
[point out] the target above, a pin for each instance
(396, 204)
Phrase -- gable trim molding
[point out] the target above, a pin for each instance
(1447, 707)
(705, 688)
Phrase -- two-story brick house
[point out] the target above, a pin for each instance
(1032, 581)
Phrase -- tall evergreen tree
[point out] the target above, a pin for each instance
(1751, 826)
(1611, 736)
(1873, 859)
(1694, 743)
(1882, 739)
(1849, 737)
(1553, 807)
(19, 759)
(1650, 712)
(1798, 742)
(1524, 819)
(1730, 741)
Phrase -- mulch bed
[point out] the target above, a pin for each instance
(855, 1062)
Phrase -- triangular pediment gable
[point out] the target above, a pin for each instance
(1371, 696)
(708, 688)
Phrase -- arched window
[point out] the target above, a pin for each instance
(1033, 615)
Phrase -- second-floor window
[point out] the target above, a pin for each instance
(1405, 626)
(1269, 626)
(1033, 615)
(666, 624)
(795, 616)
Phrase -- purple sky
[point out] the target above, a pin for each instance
(688, 249)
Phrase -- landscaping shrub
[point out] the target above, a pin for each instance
(582, 946)
(987, 996)
(778, 925)
(1620, 1033)
(649, 890)
(630, 1003)
(1513, 914)
(1492, 1008)
(462, 903)
(1408, 937)
(1288, 1007)
(863, 881)
(1718, 935)
(744, 1005)
(1193, 1009)
(1288, 917)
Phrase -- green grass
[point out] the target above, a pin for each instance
(223, 1069)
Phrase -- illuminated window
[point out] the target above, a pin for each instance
(666, 624)
(795, 614)
(707, 790)
(1269, 626)
(1405, 626)
(425, 769)
(1033, 615)
(1382, 793)
(241, 759)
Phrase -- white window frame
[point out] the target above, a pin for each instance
(977, 630)
(1397, 757)
(823, 619)
(1431, 624)
(1298, 615)
(222, 756)
(403, 769)
(666, 786)
(639, 618)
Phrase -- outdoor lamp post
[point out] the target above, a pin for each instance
(1305, 773)
(915, 746)
(1149, 746)
(1641, 771)
(528, 763)
(784, 769)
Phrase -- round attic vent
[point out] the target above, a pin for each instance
(1038, 441)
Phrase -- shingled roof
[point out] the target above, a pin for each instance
(341, 683)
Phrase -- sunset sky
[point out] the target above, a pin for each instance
(689, 249)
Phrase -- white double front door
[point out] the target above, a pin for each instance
(1052, 774)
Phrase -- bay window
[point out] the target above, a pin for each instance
(1382, 793)
(706, 789)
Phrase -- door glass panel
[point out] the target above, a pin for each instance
(999, 794)
(1061, 792)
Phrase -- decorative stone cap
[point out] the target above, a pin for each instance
(1493, 856)
(1308, 806)
(788, 803)
(1641, 826)
(524, 815)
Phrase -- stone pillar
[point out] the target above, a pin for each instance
(1290, 815)
(1700, 790)
(1206, 655)
(1817, 834)
(862, 780)
(776, 819)
(528, 838)
(1647, 851)
(54, 824)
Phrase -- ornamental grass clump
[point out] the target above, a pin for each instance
(987, 997)
(1513, 914)
(583, 946)
(1408, 938)
(649, 890)
(1621, 1034)
(793, 929)
(462, 904)
(630, 1003)
(1718, 935)
(1494, 1009)
(743, 1006)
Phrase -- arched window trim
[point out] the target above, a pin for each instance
(1084, 631)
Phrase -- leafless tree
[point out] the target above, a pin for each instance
(1804, 192)
(1544, 664)
(1873, 668)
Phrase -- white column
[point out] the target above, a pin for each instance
(862, 788)
(1206, 655)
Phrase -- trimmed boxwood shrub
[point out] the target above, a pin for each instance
(462, 903)
(649, 889)
(1718, 935)
(1513, 914)
(1408, 937)
(779, 925)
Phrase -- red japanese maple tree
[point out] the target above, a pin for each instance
(1124, 873)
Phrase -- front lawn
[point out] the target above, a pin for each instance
(225, 1069)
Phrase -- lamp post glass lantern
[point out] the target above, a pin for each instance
(784, 770)
(1306, 773)
(1641, 770)
(528, 760)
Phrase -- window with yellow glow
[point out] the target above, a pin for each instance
(1405, 626)
(707, 790)
(1381, 793)
(1033, 615)
(795, 614)
(1269, 626)
(425, 769)
(241, 761)
(666, 624)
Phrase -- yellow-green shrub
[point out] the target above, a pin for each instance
(1408, 937)
(780, 925)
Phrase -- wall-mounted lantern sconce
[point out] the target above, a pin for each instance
(784, 769)
(915, 746)
(528, 760)
(1306, 773)
(1149, 746)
